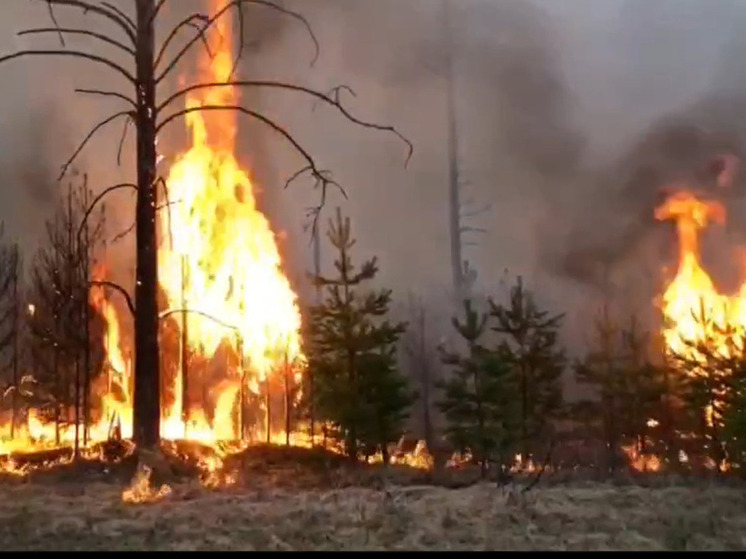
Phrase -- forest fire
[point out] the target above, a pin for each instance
(228, 301)
(692, 293)
(218, 258)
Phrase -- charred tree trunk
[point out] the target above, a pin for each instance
(317, 296)
(288, 404)
(425, 380)
(16, 327)
(268, 406)
(454, 201)
(147, 375)
(73, 271)
(86, 265)
(184, 350)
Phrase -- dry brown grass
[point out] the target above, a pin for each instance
(482, 517)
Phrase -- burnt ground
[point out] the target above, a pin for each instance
(289, 498)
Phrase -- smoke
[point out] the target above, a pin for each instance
(573, 117)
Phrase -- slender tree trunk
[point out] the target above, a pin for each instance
(16, 326)
(287, 401)
(57, 404)
(74, 253)
(317, 297)
(268, 406)
(242, 392)
(454, 202)
(425, 380)
(147, 375)
(86, 326)
(184, 350)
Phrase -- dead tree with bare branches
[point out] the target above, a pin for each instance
(147, 70)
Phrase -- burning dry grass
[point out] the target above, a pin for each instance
(599, 517)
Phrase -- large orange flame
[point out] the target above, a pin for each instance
(218, 255)
(692, 292)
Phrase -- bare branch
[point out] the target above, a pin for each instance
(127, 123)
(187, 22)
(97, 199)
(108, 94)
(66, 30)
(254, 114)
(327, 99)
(166, 314)
(71, 53)
(119, 236)
(157, 9)
(56, 25)
(118, 288)
(121, 14)
(238, 4)
(99, 10)
(93, 131)
(297, 174)
(162, 181)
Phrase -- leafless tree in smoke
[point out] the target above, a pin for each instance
(150, 117)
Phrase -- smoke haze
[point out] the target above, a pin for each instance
(571, 115)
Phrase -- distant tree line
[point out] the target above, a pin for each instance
(502, 395)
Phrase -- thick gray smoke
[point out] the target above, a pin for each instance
(572, 117)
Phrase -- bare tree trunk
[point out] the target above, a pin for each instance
(287, 401)
(72, 316)
(57, 403)
(268, 406)
(425, 381)
(16, 326)
(184, 350)
(242, 428)
(317, 296)
(86, 324)
(454, 202)
(147, 375)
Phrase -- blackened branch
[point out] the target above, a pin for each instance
(166, 314)
(108, 94)
(258, 116)
(119, 236)
(238, 4)
(131, 228)
(121, 14)
(119, 289)
(104, 11)
(187, 22)
(331, 98)
(160, 180)
(335, 91)
(93, 131)
(62, 31)
(97, 199)
(73, 54)
(297, 174)
(157, 9)
(127, 123)
(56, 25)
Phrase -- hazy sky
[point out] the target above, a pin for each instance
(553, 95)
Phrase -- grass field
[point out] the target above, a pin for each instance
(72, 516)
